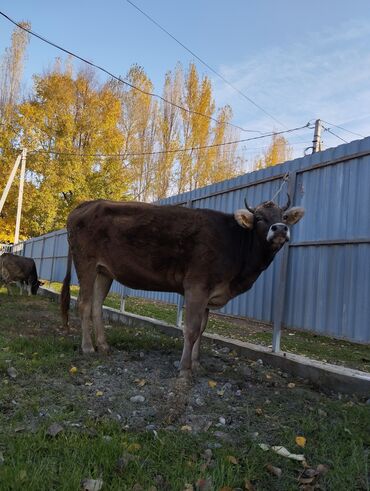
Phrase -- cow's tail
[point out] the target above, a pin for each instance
(65, 297)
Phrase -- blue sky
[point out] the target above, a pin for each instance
(298, 60)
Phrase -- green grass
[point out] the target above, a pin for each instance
(332, 350)
(41, 463)
(337, 431)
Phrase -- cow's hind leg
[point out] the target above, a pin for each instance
(101, 288)
(84, 307)
(196, 303)
(196, 348)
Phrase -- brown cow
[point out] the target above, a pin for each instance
(19, 269)
(208, 256)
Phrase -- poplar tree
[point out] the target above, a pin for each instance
(277, 152)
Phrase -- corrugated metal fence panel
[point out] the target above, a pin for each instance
(327, 284)
(328, 290)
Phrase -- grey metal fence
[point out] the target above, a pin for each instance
(320, 281)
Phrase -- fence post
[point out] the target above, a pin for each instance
(53, 259)
(180, 306)
(281, 286)
(42, 254)
(124, 295)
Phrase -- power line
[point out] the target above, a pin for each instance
(249, 99)
(344, 129)
(332, 132)
(119, 79)
(177, 150)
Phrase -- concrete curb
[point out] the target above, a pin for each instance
(323, 375)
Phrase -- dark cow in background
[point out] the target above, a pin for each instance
(208, 256)
(20, 270)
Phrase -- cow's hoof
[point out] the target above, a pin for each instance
(104, 348)
(88, 350)
(185, 375)
(197, 367)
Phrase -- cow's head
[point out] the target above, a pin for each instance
(35, 286)
(269, 221)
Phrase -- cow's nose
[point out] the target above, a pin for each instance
(279, 227)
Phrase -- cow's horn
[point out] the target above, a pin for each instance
(288, 203)
(246, 205)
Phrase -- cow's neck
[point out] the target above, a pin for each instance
(255, 258)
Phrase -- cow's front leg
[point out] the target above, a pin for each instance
(195, 364)
(196, 303)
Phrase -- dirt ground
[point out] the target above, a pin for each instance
(222, 395)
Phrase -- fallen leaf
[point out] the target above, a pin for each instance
(285, 453)
(275, 471)
(291, 385)
(259, 411)
(248, 485)
(212, 384)
(73, 370)
(322, 469)
(22, 475)
(88, 383)
(300, 441)
(308, 476)
(264, 447)
(189, 487)
(232, 459)
(54, 429)
(140, 382)
(186, 428)
(203, 485)
(220, 392)
(91, 484)
(98, 393)
(134, 447)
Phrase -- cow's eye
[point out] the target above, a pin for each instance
(285, 217)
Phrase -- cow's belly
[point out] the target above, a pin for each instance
(143, 278)
(219, 297)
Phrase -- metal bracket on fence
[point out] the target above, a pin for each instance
(180, 306)
(281, 286)
(124, 295)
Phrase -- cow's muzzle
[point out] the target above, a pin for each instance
(278, 234)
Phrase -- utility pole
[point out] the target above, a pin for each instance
(9, 183)
(20, 196)
(316, 142)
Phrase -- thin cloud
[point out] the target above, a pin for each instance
(327, 76)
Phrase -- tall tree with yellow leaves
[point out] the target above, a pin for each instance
(69, 121)
(11, 70)
(277, 152)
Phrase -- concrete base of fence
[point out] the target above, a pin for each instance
(324, 375)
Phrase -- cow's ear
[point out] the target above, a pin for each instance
(245, 218)
(293, 215)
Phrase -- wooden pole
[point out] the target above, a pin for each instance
(20, 196)
(316, 142)
(9, 183)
